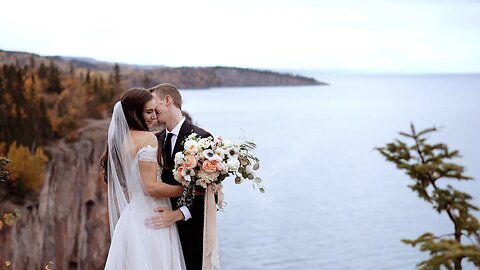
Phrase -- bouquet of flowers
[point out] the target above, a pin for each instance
(209, 161)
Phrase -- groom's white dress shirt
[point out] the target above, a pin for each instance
(175, 131)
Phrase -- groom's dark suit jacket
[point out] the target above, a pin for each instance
(190, 231)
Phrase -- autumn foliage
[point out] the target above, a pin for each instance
(38, 103)
(27, 167)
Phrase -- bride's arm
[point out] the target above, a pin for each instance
(148, 174)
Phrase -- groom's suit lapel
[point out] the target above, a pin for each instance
(184, 132)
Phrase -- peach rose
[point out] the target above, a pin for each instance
(190, 162)
(193, 149)
(209, 166)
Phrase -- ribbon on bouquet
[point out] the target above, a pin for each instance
(211, 259)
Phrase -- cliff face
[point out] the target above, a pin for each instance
(68, 224)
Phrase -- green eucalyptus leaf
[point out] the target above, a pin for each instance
(18, 213)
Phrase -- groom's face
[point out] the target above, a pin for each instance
(160, 110)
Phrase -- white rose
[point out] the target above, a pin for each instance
(222, 167)
(233, 164)
(201, 175)
(191, 146)
(213, 176)
(179, 158)
(201, 182)
(206, 178)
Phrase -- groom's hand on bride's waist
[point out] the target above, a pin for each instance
(163, 218)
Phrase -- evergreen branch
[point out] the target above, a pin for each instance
(432, 182)
(425, 164)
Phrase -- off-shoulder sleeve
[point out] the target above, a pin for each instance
(147, 153)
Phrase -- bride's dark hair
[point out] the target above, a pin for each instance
(133, 102)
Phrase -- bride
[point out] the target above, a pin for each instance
(131, 169)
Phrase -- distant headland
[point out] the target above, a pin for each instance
(183, 77)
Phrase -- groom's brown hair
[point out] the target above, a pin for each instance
(166, 89)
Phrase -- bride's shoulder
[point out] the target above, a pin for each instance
(149, 139)
(143, 139)
(147, 150)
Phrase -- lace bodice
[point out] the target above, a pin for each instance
(147, 153)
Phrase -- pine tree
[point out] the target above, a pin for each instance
(32, 62)
(54, 84)
(106, 91)
(87, 77)
(116, 73)
(429, 167)
(44, 126)
(96, 88)
(146, 81)
(117, 79)
(42, 71)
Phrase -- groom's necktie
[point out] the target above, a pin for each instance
(167, 148)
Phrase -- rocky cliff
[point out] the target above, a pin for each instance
(68, 223)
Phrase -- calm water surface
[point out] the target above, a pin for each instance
(332, 202)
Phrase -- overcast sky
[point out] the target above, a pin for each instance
(390, 36)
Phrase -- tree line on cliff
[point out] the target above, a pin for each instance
(40, 103)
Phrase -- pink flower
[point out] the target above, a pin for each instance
(193, 149)
(209, 166)
(190, 162)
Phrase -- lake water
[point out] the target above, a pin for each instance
(333, 202)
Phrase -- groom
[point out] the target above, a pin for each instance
(170, 142)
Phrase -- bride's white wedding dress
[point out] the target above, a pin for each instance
(133, 245)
